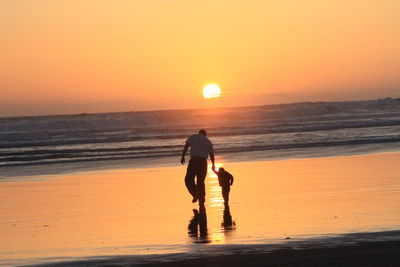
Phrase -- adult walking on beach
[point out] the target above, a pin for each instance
(200, 148)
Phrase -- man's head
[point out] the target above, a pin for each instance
(203, 132)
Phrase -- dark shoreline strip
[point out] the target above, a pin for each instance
(375, 253)
(384, 253)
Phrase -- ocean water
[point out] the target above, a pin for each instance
(157, 135)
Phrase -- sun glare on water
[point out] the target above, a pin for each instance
(211, 91)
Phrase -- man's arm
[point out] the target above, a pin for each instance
(231, 182)
(214, 170)
(185, 149)
(212, 159)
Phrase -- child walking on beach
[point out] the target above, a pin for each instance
(225, 180)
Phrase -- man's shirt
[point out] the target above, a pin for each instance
(200, 146)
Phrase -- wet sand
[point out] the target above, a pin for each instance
(148, 211)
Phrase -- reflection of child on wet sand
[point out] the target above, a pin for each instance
(225, 180)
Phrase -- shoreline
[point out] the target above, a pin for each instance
(20, 173)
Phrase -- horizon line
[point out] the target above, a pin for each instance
(180, 109)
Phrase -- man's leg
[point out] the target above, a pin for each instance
(201, 176)
(189, 179)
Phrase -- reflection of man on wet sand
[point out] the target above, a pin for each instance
(200, 148)
(197, 228)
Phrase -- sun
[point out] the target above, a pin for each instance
(211, 90)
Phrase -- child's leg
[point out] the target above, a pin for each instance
(225, 193)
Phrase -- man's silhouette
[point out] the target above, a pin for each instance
(200, 148)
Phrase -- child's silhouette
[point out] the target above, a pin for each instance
(225, 180)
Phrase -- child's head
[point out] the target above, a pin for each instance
(221, 170)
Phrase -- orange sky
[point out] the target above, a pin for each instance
(96, 56)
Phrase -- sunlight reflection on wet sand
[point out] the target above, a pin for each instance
(214, 196)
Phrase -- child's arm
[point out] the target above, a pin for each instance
(213, 168)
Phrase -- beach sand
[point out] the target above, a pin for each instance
(148, 211)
